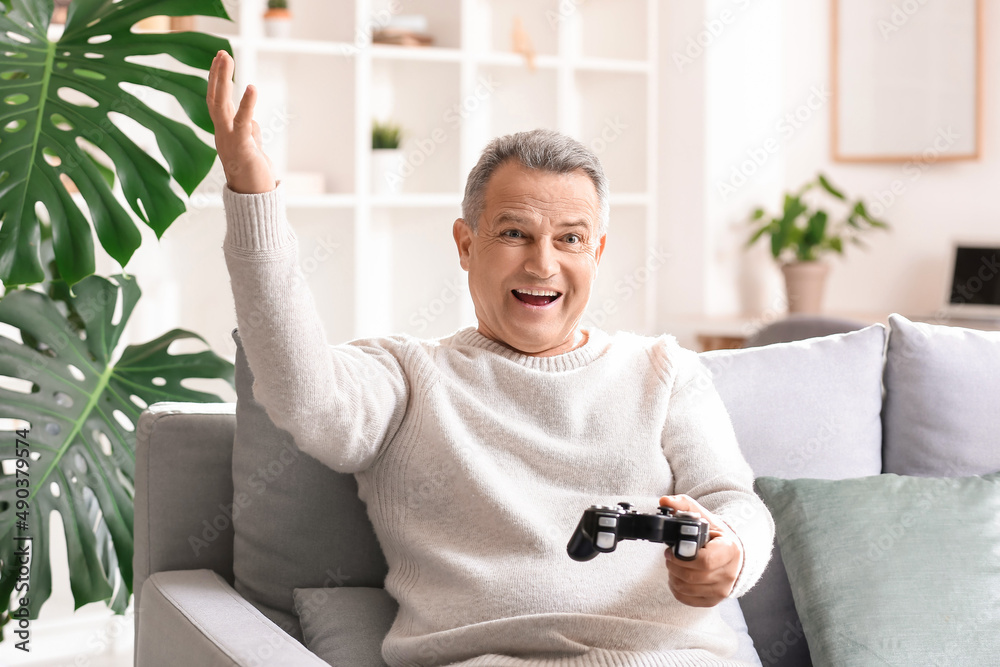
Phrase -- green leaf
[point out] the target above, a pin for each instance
(46, 138)
(815, 229)
(829, 187)
(757, 214)
(83, 431)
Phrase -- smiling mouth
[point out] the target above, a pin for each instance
(536, 297)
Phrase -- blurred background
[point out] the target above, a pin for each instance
(374, 111)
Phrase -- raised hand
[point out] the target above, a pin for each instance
(237, 134)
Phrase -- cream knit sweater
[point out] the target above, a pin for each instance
(476, 463)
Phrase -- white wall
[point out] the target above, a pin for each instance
(771, 58)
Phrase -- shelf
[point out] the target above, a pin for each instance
(611, 65)
(415, 53)
(316, 47)
(320, 89)
(516, 60)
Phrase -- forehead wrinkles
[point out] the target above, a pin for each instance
(533, 209)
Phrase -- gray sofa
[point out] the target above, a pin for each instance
(247, 552)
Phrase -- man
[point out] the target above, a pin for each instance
(517, 425)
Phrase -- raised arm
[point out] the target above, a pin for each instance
(340, 403)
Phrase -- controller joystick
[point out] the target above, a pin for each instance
(602, 527)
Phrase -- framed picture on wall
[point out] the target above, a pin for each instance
(906, 80)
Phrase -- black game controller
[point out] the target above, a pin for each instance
(602, 527)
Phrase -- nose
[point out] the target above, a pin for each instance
(541, 261)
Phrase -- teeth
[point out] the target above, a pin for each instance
(537, 292)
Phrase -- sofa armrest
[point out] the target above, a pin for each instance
(194, 617)
(183, 490)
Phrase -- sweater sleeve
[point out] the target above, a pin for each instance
(339, 402)
(700, 444)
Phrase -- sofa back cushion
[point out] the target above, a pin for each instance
(298, 524)
(942, 405)
(808, 408)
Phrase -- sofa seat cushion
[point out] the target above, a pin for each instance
(942, 405)
(346, 625)
(809, 408)
(891, 569)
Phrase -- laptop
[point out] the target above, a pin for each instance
(974, 293)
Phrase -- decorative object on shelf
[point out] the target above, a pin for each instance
(278, 19)
(802, 233)
(404, 30)
(83, 400)
(521, 43)
(387, 158)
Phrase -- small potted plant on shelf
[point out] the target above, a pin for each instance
(277, 19)
(387, 158)
(801, 234)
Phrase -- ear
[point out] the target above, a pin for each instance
(463, 240)
(600, 250)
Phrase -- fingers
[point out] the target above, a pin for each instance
(257, 136)
(244, 115)
(220, 90)
(685, 503)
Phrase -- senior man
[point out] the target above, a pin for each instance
(518, 424)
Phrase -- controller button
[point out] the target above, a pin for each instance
(605, 540)
(607, 521)
(686, 548)
(689, 530)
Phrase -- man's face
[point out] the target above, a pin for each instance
(538, 233)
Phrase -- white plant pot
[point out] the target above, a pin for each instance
(387, 166)
(280, 28)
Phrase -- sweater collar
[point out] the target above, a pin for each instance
(596, 343)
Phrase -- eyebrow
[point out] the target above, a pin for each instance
(510, 216)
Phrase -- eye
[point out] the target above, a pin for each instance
(572, 238)
(511, 233)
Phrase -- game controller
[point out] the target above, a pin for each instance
(602, 527)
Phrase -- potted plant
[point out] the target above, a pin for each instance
(803, 233)
(277, 19)
(81, 398)
(387, 158)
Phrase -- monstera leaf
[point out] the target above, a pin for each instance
(83, 408)
(56, 101)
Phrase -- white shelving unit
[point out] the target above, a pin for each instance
(394, 267)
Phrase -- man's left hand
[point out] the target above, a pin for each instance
(709, 578)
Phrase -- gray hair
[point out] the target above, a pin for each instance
(546, 150)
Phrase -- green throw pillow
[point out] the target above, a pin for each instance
(892, 570)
